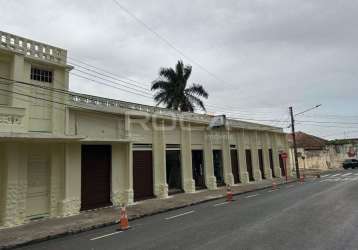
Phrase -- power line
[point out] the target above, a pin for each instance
(166, 41)
(300, 113)
(103, 70)
(111, 77)
(108, 85)
(111, 81)
(323, 126)
(327, 122)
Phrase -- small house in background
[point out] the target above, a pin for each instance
(317, 153)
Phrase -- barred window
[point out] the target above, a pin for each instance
(41, 75)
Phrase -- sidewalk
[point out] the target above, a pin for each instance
(52, 228)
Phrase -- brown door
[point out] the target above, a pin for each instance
(198, 168)
(249, 164)
(271, 163)
(235, 165)
(142, 174)
(261, 163)
(96, 176)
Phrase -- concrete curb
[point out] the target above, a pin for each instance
(132, 218)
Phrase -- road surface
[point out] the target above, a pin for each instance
(319, 214)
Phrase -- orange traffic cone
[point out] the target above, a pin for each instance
(274, 185)
(228, 193)
(123, 223)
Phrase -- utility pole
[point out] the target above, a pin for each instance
(294, 143)
(294, 135)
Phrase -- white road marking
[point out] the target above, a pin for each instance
(356, 174)
(273, 190)
(106, 235)
(324, 180)
(346, 174)
(250, 196)
(222, 203)
(335, 175)
(178, 215)
(326, 175)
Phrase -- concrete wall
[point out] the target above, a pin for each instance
(40, 115)
(5, 62)
(2, 182)
(95, 125)
(331, 157)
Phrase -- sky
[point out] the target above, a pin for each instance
(254, 57)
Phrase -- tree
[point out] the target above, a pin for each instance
(171, 89)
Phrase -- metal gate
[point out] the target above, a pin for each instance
(198, 168)
(173, 168)
(249, 164)
(235, 165)
(218, 167)
(271, 163)
(261, 163)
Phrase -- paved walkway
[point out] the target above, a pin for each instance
(52, 228)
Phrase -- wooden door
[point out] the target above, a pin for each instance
(96, 176)
(142, 174)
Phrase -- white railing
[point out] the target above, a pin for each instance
(89, 101)
(32, 48)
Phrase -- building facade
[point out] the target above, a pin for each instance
(317, 153)
(63, 152)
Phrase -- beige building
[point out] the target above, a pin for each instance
(63, 152)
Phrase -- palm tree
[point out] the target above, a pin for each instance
(171, 89)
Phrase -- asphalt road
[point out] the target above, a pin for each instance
(319, 214)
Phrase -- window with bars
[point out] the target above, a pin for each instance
(41, 75)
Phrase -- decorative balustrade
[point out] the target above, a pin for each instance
(95, 101)
(32, 48)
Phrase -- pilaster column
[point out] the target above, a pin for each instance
(15, 184)
(160, 182)
(254, 155)
(18, 74)
(57, 163)
(244, 175)
(275, 155)
(265, 152)
(210, 179)
(127, 126)
(228, 176)
(122, 174)
(71, 203)
(290, 166)
(186, 162)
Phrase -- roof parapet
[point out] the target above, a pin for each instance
(32, 48)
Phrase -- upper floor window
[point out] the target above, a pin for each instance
(41, 75)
